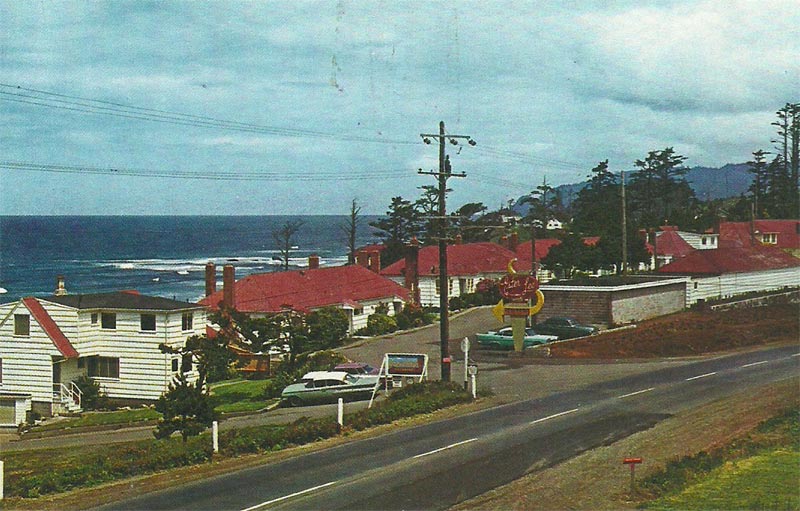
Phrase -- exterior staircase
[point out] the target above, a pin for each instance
(66, 398)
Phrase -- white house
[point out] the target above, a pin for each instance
(727, 272)
(467, 264)
(114, 338)
(355, 289)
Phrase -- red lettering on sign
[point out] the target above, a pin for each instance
(628, 461)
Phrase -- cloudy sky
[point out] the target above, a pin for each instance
(300, 107)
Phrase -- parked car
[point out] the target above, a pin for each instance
(564, 328)
(503, 340)
(326, 386)
(356, 368)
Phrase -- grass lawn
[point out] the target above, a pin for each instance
(103, 418)
(239, 396)
(770, 480)
(227, 396)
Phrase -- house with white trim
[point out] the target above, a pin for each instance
(356, 289)
(727, 272)
(467, 264)
(113, 338)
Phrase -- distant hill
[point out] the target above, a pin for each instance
(730, 180)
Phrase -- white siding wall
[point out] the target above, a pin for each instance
(428, 296)
(144, 372)
(731, 284)
(27, 361)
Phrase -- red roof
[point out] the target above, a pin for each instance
(737, 234)
(50, 327)
(306, 290)
(543, 247)
(670, 243)
(731, 260)
(462, 260)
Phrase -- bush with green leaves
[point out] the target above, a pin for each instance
(92, 397)
(413, 316)
(185, 407)
(380, 324)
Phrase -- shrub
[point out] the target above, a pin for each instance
(379, 324)
(92, 397)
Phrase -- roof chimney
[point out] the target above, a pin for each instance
(60, 289)
(374, 261)
(313, 262)
(211, 278)
(513, 241)
(228, 286)
(411, 277)
(362, 259)
(459, 239)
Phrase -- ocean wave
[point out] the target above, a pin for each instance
(185, 267)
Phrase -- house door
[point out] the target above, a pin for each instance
(56, 372)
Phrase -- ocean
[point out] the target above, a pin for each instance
(156, 255)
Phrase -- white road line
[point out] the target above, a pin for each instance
(553, 416)
(267, 503)
(796, 355)
(755, 363)
(701, 376)
(444, 448)
(637, 392)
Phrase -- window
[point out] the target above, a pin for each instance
(22, 324)
(438, 287)
(186, 363)
(1, 370)
(147, 322)
(769, 238)
(186, 321)
(174, 365)
(108, 320)
(94, 318)
(104, 367)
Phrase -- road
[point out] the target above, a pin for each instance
(437, 465)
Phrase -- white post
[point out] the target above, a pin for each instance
(340, 414)
(474, 391)
(465, 343)
(215, 435)
(1, 480)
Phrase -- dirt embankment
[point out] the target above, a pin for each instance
(690, 333)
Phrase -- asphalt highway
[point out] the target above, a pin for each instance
(436, 465)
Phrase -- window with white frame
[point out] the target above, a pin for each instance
(147, 322)
(94, 317)
(769, 238)
(22, 324)
(103, 367)
(108, 320)
(186, 321)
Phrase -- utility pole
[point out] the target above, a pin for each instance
(445, 172)
(624, 230)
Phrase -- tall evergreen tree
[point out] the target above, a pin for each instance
(400, 224)
(758, 168)
(659, 192)
(594, 209)
(350, 230)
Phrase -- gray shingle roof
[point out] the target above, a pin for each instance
(120, 300)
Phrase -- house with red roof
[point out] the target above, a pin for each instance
(727, 272)
(467, 264)
(113, 338)
(355, 289)
(783, 234)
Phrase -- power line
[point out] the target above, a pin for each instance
(35, 97)
(207, 175)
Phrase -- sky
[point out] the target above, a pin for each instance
(298, 108)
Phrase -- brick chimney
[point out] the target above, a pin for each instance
(374, 261)
(504, 241)
(60, 289)
(513, 241)
(211, 278)
(459, 240)
(411, 275)
(362, 258)
(228, 286)
(313, 262)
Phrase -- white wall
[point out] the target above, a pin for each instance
(732, 284)
(27, 360)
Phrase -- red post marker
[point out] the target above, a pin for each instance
(632, 462)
